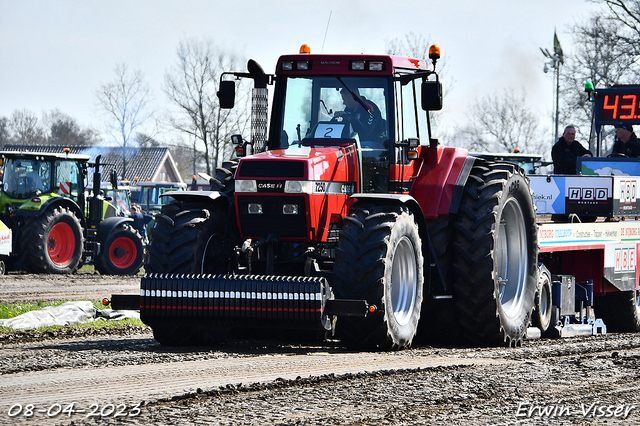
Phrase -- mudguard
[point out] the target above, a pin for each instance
(52, 203)
(197, 196)
(107, 226)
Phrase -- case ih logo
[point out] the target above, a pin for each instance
(588, 194)
(628, 191)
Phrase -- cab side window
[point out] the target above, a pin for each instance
(68, 179)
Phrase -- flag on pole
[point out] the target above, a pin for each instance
(557, 49)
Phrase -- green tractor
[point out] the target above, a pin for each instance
(56, 226)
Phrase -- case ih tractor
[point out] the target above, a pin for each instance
(56, 227)
(353, 221)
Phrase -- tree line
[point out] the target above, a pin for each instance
(194, 126)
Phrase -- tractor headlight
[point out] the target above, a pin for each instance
(289, 209)
(246, 185)
(298, 187)
(254, 208)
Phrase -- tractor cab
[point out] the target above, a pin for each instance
(29, 179)
(365, 104)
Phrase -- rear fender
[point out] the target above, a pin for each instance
(107, 226)
(439, 185)
(52, 203)
(199, 196)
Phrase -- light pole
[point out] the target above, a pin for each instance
(555, 60)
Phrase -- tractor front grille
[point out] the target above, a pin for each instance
(272, 220)
(272, 169)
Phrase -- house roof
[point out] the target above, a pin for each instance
(143, 163)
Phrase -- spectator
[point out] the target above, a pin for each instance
(627, 143)
(140, 221)
(566, 151)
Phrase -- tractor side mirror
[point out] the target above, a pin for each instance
(114, 179)
(227, 94)
(431, 95)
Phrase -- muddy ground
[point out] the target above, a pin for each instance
(127, 378)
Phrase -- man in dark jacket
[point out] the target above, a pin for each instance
(367, 122)
(627, 142)
(566, 151)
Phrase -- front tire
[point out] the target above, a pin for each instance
(379, 259)
(191, 238)
(496, 245)
(53, 242)
(122, 253)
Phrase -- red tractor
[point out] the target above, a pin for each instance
(347, 216)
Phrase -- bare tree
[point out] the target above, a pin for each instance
(64, 130)
(417, 46)
(25, 129)
(627, 13)
(191, 86)
(4, 131)
(602, 56)
(125, 103)
(501, 123)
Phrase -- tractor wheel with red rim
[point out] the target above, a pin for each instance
(53, 242)
(122, 252)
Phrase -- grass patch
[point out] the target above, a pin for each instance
(87, 326)
(11, 310)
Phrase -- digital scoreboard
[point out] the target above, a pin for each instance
(617, 104)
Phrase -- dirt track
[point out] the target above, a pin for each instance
(32, 288)
(132, 379)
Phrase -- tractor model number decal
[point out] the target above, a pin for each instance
(342, 188)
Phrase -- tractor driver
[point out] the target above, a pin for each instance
(367, 122)
(33, 181)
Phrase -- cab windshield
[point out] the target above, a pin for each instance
(24, 178)
(333, 107)
(325, 110)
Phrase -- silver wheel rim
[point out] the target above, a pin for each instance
(403, 281)
(512, 255)
(544, 298)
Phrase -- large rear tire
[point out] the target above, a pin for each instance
(122, 252)
(496, 247)
(53, 242)
(620, 312)
(379, 259)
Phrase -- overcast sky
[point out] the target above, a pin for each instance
(56, 54)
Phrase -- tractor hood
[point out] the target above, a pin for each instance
(333, 163)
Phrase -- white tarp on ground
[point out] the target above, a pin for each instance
(66, 314)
